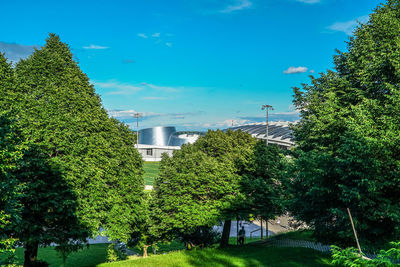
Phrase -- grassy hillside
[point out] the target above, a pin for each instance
(151, 170)
(235, 256)
(91, 256)
(248, 255)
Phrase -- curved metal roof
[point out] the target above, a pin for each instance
(278, 132)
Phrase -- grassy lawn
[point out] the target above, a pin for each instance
(248, 255)
(151, 170)
(91, 256)
(233, 256)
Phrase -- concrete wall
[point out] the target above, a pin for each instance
(154, 153)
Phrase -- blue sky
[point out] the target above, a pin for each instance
(194, 64)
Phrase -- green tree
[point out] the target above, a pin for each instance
(200, 184)
(83, 172)
(11, 151)
(262, 182)
(348, 140)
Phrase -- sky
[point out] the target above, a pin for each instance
(193, 64)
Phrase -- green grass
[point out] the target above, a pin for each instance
(248, 255)
(233, 256)
(247, 240)
(91, 256)
(151, 170)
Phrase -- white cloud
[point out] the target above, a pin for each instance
(312, 71)
(142, 35)
(168, 44)
(95, 47)
(348, 26)
(309, 1)
(162, 88)
(238, 5)
(120, 88)
(153, 98)
(292, 70)
(156, 35)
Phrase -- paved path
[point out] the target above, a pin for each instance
(294, 244)
(248, 227)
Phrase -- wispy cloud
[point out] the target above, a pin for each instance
(162, 88)
(293, 70)
(15, 52)
(168, 44)
(119, 88)
(348, 26)
(128, 61)
(153, 98)
(127, 115)
(236, 6)
(142, 35)
(95, 47)
(156, 35)
(309, 1)
(276, 116)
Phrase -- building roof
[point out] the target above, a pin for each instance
(278, 132)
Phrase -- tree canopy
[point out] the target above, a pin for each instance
(11, 151)
(348, 140)
(82, 170)
(221, 176)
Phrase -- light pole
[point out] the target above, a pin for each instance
(137, 115)
(267, 107)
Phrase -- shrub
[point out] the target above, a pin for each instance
(116, 252)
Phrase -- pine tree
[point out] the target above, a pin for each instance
(82, 165)
(11, 151)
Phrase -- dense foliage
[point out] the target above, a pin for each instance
(262, 182)
(348, 142)
(11, 151)
(221, 176)
(82, 172)
(350, 257)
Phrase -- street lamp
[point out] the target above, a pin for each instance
(137, 115)
(267, 108)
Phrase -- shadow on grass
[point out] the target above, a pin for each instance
(258, 256)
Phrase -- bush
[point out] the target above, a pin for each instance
(202, 237)
(350, 257)
(116, 252)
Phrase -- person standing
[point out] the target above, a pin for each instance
(242, 234)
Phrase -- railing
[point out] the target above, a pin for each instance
(251, 233)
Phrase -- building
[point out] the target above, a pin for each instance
(279, 132)
(153, 142)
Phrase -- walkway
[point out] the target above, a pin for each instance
(294, 244)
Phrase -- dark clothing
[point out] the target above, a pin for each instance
(242, 234)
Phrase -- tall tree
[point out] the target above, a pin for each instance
(348, 152)
(200, 184)
(11, 151)
(262, 182)
(76, 146)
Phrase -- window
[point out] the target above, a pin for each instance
(149, 152)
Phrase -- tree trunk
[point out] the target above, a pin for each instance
(266, 229)
(262, 230)
(145, 251)
(225, 234)
(31, 250)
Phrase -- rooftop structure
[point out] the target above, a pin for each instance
(279, 132)
(157, 140)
